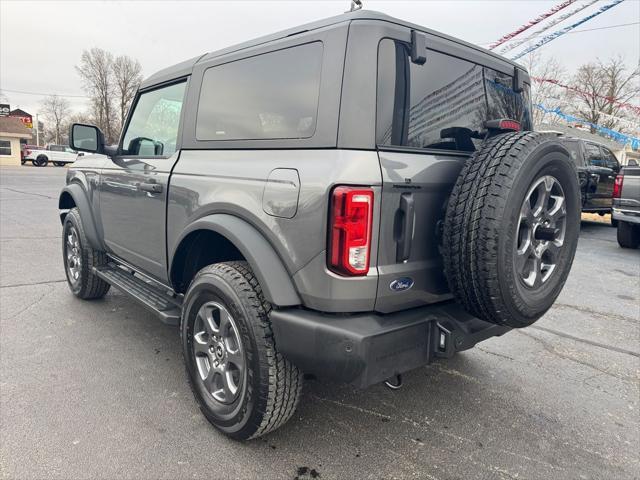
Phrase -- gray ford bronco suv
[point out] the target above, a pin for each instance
(352, 199)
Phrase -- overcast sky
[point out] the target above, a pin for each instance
(40, 42)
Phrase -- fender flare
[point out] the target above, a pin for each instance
(84, 207)
(267, 266)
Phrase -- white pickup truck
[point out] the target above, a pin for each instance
(60, 155)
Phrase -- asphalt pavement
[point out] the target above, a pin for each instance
(98, 389)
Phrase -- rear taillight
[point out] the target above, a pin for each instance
(27, 152)
(350, 230)
(617, 186)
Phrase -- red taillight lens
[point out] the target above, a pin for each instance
(617, 186)
(350, 230)
(27, 152)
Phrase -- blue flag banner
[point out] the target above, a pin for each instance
(607, 132)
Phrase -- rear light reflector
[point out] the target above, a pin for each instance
(510, 125)
(617, 186)
(350, 230)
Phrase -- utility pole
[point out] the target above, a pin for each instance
(37, 131)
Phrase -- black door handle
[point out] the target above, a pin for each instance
(150, 187)
(406, 220)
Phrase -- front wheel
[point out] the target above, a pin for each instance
(244, 387)
(79, 259)
(59, 164)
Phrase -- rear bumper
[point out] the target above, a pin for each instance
(368, 348)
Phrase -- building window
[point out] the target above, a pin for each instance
(5, 147)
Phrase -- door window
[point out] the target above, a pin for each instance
(594, 155)
(155, 122)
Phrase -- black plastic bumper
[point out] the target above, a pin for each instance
(368, 348)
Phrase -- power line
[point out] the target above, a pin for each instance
(585, 30)
(42, 94)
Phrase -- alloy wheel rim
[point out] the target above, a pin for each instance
(74, 257)
(541, 231)
(218, 352)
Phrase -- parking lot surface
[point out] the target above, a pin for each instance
(98, 389)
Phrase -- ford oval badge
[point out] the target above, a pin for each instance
(401, 284)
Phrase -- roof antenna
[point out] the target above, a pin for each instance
(355, 5)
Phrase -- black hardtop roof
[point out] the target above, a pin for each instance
(185, 68)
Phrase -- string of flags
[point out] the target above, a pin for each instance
(635, 109)
(530, 24)
(561, 18)
(607, 132)
(548, 38)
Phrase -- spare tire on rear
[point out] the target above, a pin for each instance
(511, 228)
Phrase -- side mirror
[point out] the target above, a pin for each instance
(86, 138)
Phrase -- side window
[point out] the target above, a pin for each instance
(594, 155)
(5, 147)
(154, 124)
(443, 103)
(610, 159)
(269, 96)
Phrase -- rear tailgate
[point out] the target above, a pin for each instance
(414, 194)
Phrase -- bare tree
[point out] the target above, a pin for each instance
(96, 71)
(55, 110)
(127, 77)
(600, 89)
(543, 92)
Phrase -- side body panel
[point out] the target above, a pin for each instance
(233, 182)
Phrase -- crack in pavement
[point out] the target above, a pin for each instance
(28, 193)
(613, 316)
(553, 351)
(587, 341)
(47, 282)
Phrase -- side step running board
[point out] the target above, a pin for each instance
(150, 295)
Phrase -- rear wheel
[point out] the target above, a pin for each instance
(41, 161)
(628, 235)
(79, 259)
(244, 387)
(511, 228)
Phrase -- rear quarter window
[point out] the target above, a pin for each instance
(269, 96)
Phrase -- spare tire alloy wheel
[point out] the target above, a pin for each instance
(511, 228)
(541, 231)
(218, 354)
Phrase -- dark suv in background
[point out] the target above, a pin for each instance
(597, 170)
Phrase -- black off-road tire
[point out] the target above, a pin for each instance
(273, 384)
(41, 161)
(628, 235)
(87, 286)
(481, 229)
(59, 164)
